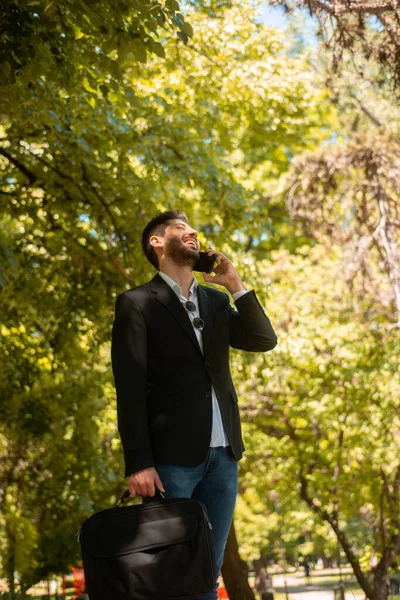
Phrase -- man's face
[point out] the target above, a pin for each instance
(181, 244)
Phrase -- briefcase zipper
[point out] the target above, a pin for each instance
(210, 549)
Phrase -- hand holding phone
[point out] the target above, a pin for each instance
(223, 273)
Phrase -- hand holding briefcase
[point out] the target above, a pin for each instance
(158, 550)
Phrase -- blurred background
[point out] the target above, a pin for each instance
(276, 128)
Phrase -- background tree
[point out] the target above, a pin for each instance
(74, 41)
(350, 196)
(83, 168)
(345, 197)
(323, 412)
(368, 29)
(228, 127)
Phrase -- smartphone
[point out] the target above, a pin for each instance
(204, 263)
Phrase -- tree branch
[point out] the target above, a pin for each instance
(365, 110)
(344, 542)
(368, 8)
(102, 202)
(32, 178)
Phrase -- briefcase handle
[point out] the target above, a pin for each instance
(126, 495)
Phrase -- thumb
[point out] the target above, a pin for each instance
(208, 277)
(158, 483)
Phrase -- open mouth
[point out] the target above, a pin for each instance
(192, 242)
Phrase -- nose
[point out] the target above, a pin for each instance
(192, 232)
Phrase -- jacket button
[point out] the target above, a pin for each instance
(207, 365)
(207, 394)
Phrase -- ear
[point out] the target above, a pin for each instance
(156, 241)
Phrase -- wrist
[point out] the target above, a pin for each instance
(235, 286)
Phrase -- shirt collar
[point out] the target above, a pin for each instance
(173, 285)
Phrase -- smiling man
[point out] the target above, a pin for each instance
(178, 414)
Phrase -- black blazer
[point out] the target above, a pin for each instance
(162, 379)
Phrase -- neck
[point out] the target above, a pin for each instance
(182, 275)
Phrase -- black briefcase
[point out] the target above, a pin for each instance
(158, 550)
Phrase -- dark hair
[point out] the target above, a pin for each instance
(157, 226)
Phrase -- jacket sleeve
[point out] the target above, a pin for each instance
(129, 364)
(250, 328)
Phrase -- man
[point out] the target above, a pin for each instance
(178, 414)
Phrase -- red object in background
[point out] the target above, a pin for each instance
(79, 582)
(222, 593)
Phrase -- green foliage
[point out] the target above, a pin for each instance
(322, 413)
(97, 134)
(76, 41)
(322, 410)
(90, 148)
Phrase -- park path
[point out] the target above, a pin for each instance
(316, 595)
(298, 589)
(323, 595)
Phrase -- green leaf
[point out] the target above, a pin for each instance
(158, 49)
(139, 52)
(91, 101)
(187, 29)
(183, 37)
(173, 5)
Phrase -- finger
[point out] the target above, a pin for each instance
(140, 488)
(158, 483)
(151, 490)
(212, 252)
(131, 489)
(207, 277)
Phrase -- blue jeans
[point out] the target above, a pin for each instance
(214, 482)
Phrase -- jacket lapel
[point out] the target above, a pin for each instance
(206, 305)
(167, 297)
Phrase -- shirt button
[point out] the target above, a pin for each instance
(207, 394)
(207, 365)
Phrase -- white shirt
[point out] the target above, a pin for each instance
(218, 435)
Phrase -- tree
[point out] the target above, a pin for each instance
(327, 425)
(274, 527)
(83, 168)
(349, 196)
(324, 411)
(72, 41)
(366, 28)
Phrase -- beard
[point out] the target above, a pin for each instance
(181, 254)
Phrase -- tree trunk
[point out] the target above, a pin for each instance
(362, 577)
(328, 563)
(9, 566)
(263, 578)
(235, 571)
(381, 583)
